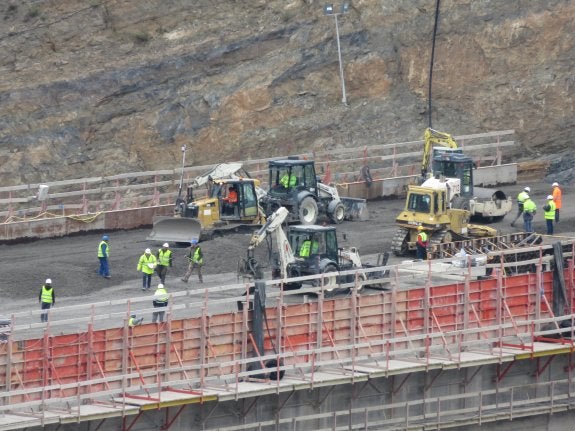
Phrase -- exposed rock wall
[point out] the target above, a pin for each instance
(95, 87)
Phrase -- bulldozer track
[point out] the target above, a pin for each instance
(399, 241)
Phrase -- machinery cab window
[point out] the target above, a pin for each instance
(420, 203)
(286, 178)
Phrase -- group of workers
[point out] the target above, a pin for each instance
(148, 264)
(527, 208)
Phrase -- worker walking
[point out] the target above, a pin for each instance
(521, 197)
(47, 299)
(160, 301)
(421, 243)
(103, 253)
(549, 214)
(196, 261)
(164, 259)
(557, 198)
(146, 265)
(529, 210)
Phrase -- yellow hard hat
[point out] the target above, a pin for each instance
(419, 227)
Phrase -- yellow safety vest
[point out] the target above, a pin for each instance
(423, 236)
(307, 246)
(197, 257)
(550, 213)
(529, 206)
(160, 295)
(47, 295)
(288, 181)
(101, 251)
(164, 257)
(143, 263)
(522, 197)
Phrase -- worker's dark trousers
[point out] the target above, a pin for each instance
(104, 270)
(557, 215)
(527, 222)
(421, 252)
(158, 315)
(146, 280)
(162, 271)
(45, 307)
(549, 226)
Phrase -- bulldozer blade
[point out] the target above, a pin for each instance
(175, 229)
(355, 208)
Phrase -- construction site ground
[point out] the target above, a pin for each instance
(72, 264)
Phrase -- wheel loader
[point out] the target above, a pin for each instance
(430, 208)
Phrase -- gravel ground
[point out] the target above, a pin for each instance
(72, 264)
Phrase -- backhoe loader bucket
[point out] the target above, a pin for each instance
(355, 208)
(175, 229)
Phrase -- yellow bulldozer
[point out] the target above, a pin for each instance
(430, 208)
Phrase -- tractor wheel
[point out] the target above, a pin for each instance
(308, 211)
(337, 214)
(330, 282)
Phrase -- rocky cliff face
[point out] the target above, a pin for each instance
(96, 87)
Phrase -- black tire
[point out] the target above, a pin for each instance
(307, 213)
(337, 215)
(460, 203)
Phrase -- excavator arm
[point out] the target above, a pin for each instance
(431, 138)
(272, 227)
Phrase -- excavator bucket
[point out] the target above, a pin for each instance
(175, 229)
(355, 208)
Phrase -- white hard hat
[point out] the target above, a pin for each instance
(147, 251)
(166, 245)
(48, 281)
(549, 197)
(555, 184)
(160, 286)
(527, 189)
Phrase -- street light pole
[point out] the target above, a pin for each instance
(328, 10)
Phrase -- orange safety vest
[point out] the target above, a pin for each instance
(557, 197)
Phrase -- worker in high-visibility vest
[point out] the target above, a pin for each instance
(103, 253)
(147, 264)
(308, 247)
(164, 259)
(47, 299)
(196, 261)
(557, 198)
(549, 214)
(529, 210)
(133, 321)
(521, 198)
(288, 180)
(421, 243)
(160, 300)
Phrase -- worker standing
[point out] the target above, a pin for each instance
(549, 214)
(164, 259)
(521, 197)
(421, 244)
(146, 265)
(47, 299)
(557, 198)
(134, 321)
(196, 261)
(160, 301)
(103, 253)
(529, 210)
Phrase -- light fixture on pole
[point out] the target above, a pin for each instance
(329, 10)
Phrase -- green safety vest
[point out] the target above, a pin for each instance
(197, 256)
(164, 257)
(47, 295)
(550, 213)
(132, 321)
(307, 246)
(101, 251)
(143, 263)
(161, 295)
(423, 236)
(529, 206)
(288, 181)
(522, 197)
